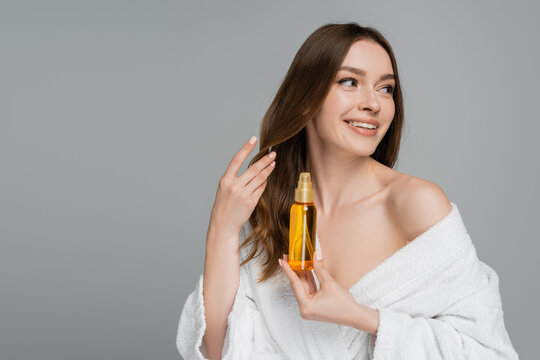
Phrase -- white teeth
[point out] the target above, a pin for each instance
(361, 124)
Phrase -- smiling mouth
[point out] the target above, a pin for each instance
(362, 125)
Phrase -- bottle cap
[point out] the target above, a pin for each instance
(304, 191)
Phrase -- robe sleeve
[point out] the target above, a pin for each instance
(472, 328)
(245, 334)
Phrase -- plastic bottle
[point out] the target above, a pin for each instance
(303, 225)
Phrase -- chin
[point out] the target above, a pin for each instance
(362, 152)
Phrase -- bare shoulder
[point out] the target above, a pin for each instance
(417, 204)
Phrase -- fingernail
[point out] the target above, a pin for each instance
(280, 264)
(318, 254)
(252, 140)
(272, 155)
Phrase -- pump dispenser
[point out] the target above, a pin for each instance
(303, 223)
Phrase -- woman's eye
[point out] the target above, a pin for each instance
(348, 81)
(389, 89)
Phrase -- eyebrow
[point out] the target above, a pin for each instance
(362, 72)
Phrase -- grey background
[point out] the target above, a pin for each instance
(118, 118)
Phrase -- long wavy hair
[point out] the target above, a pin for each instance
(298, 99)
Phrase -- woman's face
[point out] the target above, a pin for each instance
(361, 92)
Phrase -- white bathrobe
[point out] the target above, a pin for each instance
(436, 300)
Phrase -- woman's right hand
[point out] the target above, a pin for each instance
(237, 196)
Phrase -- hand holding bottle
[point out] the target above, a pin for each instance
(330, 303)
(237, 196)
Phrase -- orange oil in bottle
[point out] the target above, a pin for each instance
(303, 225)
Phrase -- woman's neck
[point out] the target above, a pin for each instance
(341, 179)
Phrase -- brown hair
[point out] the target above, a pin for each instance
(298, 99)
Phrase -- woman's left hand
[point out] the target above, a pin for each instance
(331, 303)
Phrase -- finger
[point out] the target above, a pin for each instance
(319, 268)
(305, 282)
(239, 158)
(311, 287)
(296, 283)
(309, 277)
(256, 168)
(260, 178)
(257, 193)
(312, 283)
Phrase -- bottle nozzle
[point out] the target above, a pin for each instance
(305, 181)
(304, 191)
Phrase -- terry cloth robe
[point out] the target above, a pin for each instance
(436, 300)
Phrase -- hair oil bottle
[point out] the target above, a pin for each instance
(303, 223)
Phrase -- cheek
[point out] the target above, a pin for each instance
(342, 102)
(389, 110)
(335, 106)
(324, 123)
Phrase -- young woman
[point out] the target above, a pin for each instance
(399, 278)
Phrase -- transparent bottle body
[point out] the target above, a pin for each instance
(302, 230)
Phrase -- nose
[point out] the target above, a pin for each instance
(367, 100)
